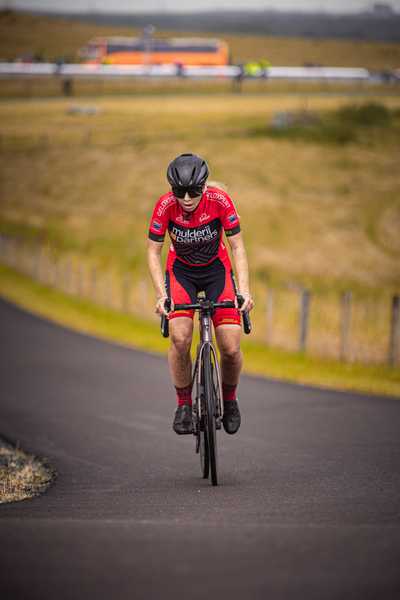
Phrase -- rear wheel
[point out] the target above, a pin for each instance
(210, 414)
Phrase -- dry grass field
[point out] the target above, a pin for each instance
(320, 211)
(318, 214)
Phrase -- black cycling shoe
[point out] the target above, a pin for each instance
(183, 420)
(231, 419)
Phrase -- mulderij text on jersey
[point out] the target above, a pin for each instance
(197, 235)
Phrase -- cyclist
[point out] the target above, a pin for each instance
(195, 215)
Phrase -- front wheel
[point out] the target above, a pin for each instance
(200, 429)
(204, 454)
(210, 414)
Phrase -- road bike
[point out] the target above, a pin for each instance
(206, 381)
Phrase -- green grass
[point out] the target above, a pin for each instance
(308, 370)
(135, 332)
(359, 124)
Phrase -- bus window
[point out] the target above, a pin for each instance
(119, 50)
(92, 52)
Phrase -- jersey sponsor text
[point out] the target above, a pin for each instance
(194, 236)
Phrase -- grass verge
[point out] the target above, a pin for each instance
(132, 331)
(21, 475)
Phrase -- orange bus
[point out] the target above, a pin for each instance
(156, 51)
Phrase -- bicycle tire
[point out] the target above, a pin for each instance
(210, 400)
(200, 431)
(204, 454)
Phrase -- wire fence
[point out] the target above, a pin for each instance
(79, 277)
(333, 326)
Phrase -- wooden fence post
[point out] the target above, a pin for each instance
(46, 266)
(13, 254)
(80, 284)
(108, 288)
(10, 252)
(37, 265)
(143, 295)
(126, 284)
(68, 278)
(6, 250)
(93, 285)
(56, 273)
(304, 318)
(346, 323)
(394, 331)
(270, 316)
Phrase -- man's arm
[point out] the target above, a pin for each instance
(156, 272)
(241, 267)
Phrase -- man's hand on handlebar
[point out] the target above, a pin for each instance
(160, 307)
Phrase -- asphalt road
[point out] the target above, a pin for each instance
(307, 507)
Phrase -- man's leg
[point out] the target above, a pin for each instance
(231, 361)
(180, 364)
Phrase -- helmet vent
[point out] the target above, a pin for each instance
(177, 176)
(192, 176)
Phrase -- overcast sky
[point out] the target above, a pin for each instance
(132, 6)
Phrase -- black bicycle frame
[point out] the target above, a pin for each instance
(206, 339)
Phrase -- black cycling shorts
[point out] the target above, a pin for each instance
(183, 283)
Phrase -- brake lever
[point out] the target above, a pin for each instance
(165, 320)
(245, 315)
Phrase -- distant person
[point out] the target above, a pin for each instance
(195, 213)
(67, 87)
(387, 74)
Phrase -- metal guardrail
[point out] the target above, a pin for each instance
(306, 74)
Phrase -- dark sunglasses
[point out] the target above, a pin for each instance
(180, 192)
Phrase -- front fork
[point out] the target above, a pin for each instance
(206, 339)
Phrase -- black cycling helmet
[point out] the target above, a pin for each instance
(187, 170)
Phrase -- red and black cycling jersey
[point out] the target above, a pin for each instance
(196, 236)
